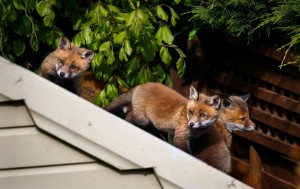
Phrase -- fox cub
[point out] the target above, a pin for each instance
(66, 64)
(213, 147)
(168, 111)
(234, 115)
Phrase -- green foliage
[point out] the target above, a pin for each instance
(133, 40)
(277, 21)
(285, 18)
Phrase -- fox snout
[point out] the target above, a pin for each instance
(64, 72)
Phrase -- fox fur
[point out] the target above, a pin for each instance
(168, 111)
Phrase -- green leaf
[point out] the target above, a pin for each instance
(97, 61)
(18, 4)
(130, 18)
(165, 55)
(48, 19)
(42, 8)
(180, 52)
(120, 37)
(18, 47)
(122, 83)
(159, 73)
(111, 58)
(34, 43)
(164, 34)
(87, 35)
(100, 99)
(104, 46)
(193, 33)
(78, 40)
(102, 12)
(180, 65)
(174, 17)
(112, 91)
(177, 1)
(133, 65)
(142, 16)
(161, 13)
(113, 8)
(122, 55)
(127, 47)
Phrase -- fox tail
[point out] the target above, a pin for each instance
(120, 103)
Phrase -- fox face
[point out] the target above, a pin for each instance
(202, 113)
(235, 113)
(71, 61)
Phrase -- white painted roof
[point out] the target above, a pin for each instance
(103, 135)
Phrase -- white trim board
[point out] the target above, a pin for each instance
(104, 135)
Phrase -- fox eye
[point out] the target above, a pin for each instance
(191, 112)
(73, 67)
(243, 118)
(203, 115)
(61, 61)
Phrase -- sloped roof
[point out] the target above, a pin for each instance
(103, 135)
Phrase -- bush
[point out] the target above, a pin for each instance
(133, 40)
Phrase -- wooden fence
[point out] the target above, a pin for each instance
(267, 157)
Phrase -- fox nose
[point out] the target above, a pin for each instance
(191, 124)
(62, 74)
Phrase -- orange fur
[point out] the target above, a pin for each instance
(65, 65)
(90, 86)
(234, 115)
(168, 111)
(213, 147)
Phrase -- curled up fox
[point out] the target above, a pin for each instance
(158, 105)
(65, 66)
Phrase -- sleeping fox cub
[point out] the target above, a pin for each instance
(168, 111)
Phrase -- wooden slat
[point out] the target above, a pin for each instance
(272, 143)
(259, 92)
(267, 76)
(91, 176)
(270, 181)
(279, 123)
(28, 147)
(14, 114)
(255, 168)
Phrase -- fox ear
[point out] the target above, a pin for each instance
(226, 103)
(214, 101)
(193, 93)
(64, 43)
(245, 97)
(88, 55)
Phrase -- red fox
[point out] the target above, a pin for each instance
(168, 111)
(213, 147)
(66, 64)
(234, 115)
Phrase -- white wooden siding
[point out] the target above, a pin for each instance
(28, 147)
(85, 176)
(14, 115)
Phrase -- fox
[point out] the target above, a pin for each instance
(168, 111)
(211, 147)
(214, 146)
(234, 116)
(65, 65)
